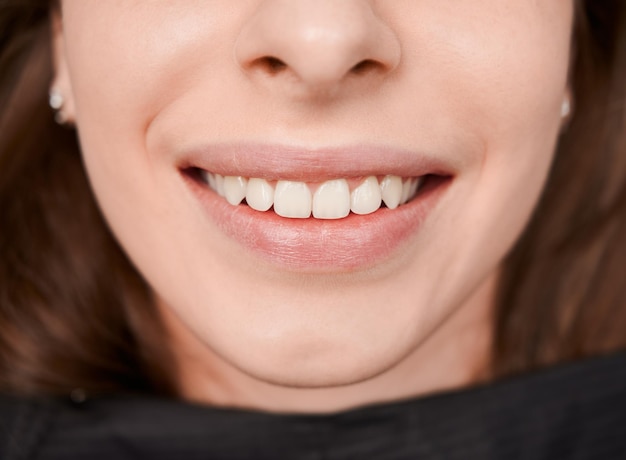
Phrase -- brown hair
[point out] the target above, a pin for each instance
(74, 312)
(562, 294)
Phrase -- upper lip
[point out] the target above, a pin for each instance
(289, 162)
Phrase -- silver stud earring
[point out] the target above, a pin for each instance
(57, 102)
(566, 107)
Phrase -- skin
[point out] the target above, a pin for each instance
(478, 82)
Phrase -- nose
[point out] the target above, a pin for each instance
(318, 45)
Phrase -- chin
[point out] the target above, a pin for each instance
(320, 362)
(321, 372)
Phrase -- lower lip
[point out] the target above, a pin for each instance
(352, 243)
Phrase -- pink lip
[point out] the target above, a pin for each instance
(275, 162)
(355, 242)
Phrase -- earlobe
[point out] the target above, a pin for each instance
(61, 94)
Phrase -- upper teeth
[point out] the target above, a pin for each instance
(331, 200)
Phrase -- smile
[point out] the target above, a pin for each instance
(322, 210)
(331, 199)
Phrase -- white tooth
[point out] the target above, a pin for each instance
(415, 182)
(219, 184)
(406, 190)
(260, 194)
(209, 178)
(391, 191)
(410, 187)
(366, 198)
(234, 189)
(292, 199)
(332, 200)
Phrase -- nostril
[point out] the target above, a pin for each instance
(365, 66)
(271, 64)
(274, 65)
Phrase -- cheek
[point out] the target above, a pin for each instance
(128, 63)
(501, 79)
(502, 67)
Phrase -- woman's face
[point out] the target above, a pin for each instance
(463, 95)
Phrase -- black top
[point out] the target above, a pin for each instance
(574, 411)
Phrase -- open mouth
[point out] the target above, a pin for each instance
(325, 210)
(331, 199)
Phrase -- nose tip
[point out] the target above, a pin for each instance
(317, 42)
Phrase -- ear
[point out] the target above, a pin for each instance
(61, 83)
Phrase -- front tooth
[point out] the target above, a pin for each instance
(391, 191)
(260, 194)
(366, 198)
(292, 199)
(332, 200)
(234, 189)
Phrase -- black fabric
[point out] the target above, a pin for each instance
(575, 411)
